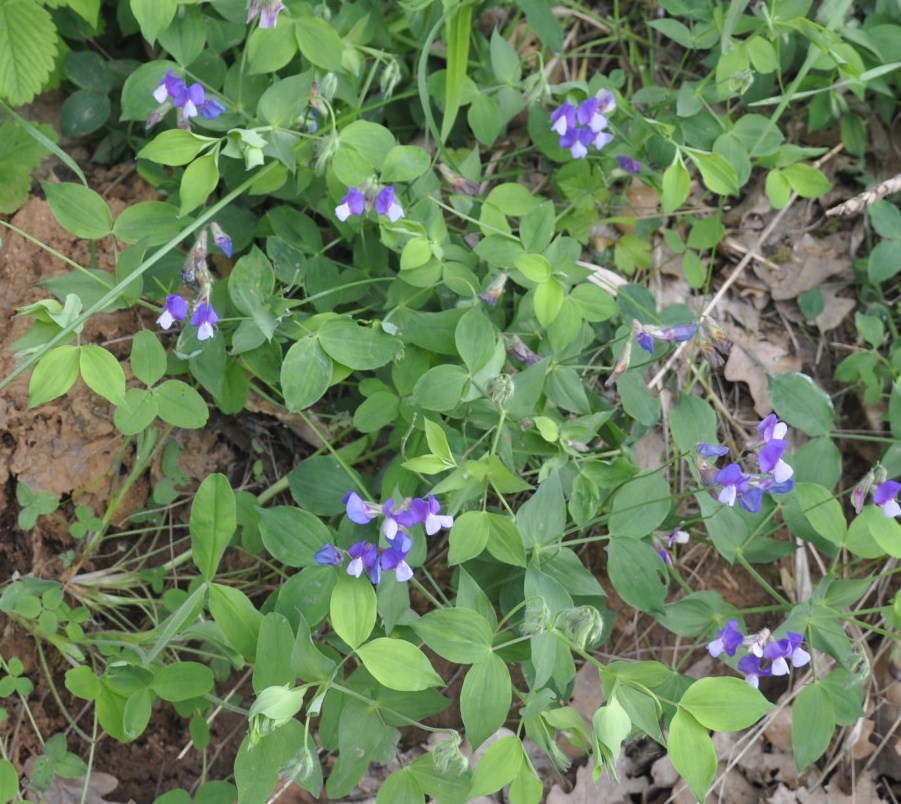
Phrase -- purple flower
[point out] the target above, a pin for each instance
(211, 109)
(396, 520)
(268, 11)
(427, 512)
(606, 102)
(751, 500)
(578, 140)
(394, 557)
(884, 497)
(329, 556)
(563, 119)
(175, 309)
(771, 428)
(353, 203)
(171, 86)
(678, 536)
(358, 510)
(645, 341)
(601, 140)
(712, 450)
(770, 460)
(196, 97)
(677, 333)
(221, 239)
(788, 648)
(629, 164)
(727, 641)
(750, 666)
(386, 204)
(204, 318)
(665, 557)
(364, 556)
(733, 482)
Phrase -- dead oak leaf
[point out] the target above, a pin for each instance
(755, 356)
(814, 260)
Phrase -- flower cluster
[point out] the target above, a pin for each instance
(766, 656)
(582, 127)
(775, 475)
(190, 101)
(266, 10)
(355, 202)
(365, 555)
(884, 491)
(195, 270)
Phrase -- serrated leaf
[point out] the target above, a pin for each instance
(27, 49)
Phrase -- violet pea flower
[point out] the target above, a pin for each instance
(733, 482)
(364, 556)
(329, 556)
(175, 309)
(884, 497)
(727, 641)
(353, 203)
(204, 318)
(386, 204)
(712, 450)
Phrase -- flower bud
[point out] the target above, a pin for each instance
(273, 707)
(448, 757)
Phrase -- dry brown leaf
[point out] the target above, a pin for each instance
(835, 309)
(779, 730)
(753, 357)
(814, 260)
(606, 789)
(861, 747)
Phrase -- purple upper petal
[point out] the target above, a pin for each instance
(886, 491)
(357, 510)
(771, 454)
(712, 450)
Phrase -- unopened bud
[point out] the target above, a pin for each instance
(448, 757)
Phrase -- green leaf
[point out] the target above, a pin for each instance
(638, 574)
(498, 766)
(676, 187)
(884, 530)
(84, 112)
(79, 210)
(28, 44)
(485, 698)
(175, 147)
(9, 781)
(154, 16)
(198, 181)
(353, 609)
(778, 190)
(182, 681)
(716, 173)
(400, 787)
(398, 665)
(800, 402)
(136, 412)
(440, 388)
(212, 523)
(505, 541)
(813, 723)
(292, 535)
(319, 43)
(543, 22)
(611, 725)
(548, 300)
(180, 405)
(357, 347)
(82, 682)
(270, 49)
(250, 287)
(54, 375)
(306, 374)
(461, 636)
(822, 511)
(542, 518)
(884, 261)
(102, 373)
(237, 617)
(885, 218)
(148, 358)
(725, 703)
(476, 339)
(594, 303)
(640, 506)
(468, 536)
(534, 267)
(458, 21)
(692, 422)
(806, 180)
(405, 163)
(692, 753)
(155, 221)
